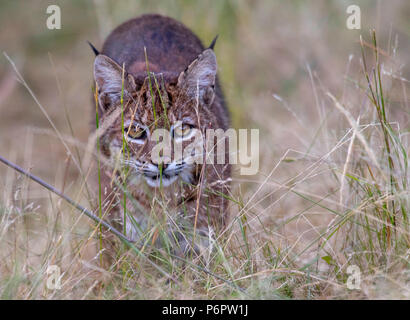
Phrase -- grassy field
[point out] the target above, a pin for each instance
(333, 187)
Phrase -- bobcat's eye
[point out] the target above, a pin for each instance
(135, 133)
(183, 131)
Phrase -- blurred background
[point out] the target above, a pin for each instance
(277, 60)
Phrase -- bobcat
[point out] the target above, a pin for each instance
(151, 73)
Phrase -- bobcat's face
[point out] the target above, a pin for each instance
(141, 143)
(177, 125)
(175, 108)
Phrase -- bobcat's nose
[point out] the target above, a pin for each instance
(162, 164)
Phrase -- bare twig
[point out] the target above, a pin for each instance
(79, 207)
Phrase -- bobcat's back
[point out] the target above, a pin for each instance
(170, 45)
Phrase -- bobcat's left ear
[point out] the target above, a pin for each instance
(199, 78)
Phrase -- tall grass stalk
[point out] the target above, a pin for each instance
(124, 149)
(97, 124)
(390, 138)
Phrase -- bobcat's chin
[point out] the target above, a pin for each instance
(155, 178)
(157, 181)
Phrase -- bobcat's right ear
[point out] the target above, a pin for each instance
(108, 76)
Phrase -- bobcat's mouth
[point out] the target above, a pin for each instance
(156, 178)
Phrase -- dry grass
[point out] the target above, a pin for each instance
(333, 187)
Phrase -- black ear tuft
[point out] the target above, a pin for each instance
(96, 52)
(213, 42)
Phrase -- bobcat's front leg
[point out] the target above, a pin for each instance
(199, 220)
